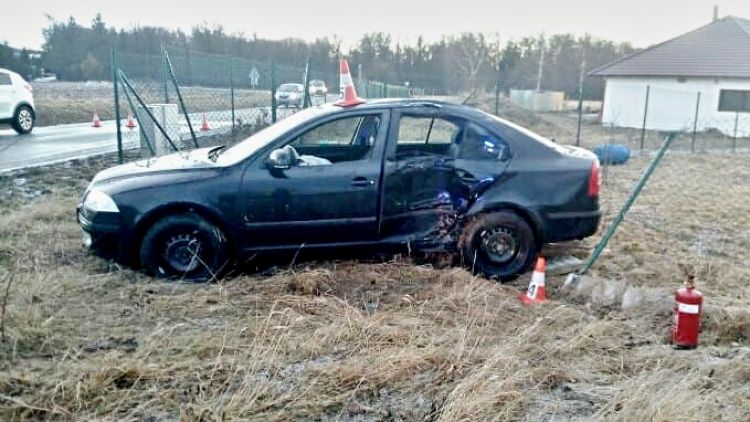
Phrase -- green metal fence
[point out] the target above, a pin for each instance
(215, 94)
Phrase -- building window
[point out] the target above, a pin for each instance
(734, 100)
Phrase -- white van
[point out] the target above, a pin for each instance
(16, 102)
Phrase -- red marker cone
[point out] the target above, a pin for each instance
(131, 122)
(536, 292)
(96, 122)
(204, 125)
(348, 93)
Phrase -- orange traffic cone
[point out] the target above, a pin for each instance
(536, 292)
(204, 125)
(348, 93)
(96, 122)
(131, 122)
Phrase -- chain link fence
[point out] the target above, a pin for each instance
(704, 119)
(181, 99)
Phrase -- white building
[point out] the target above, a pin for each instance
(707, 70)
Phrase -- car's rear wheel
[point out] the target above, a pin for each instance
(23, 120)
(184, 246)
(499, 245)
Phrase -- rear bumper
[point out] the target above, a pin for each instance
(564, 226)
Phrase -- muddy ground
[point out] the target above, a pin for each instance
(362, 340)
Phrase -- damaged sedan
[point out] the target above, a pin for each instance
(433, 176)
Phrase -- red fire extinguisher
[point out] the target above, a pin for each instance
(688, 308)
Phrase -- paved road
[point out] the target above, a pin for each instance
(51, 144)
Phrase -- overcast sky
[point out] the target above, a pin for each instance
(641, 22)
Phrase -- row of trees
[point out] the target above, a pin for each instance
(454, 63)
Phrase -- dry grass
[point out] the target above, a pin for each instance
(354, 341)
(76, 102)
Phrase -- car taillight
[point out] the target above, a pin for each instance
(27, 86)
(595, 180)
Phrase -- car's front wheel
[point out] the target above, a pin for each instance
(500, 245)
(184, 246)
(23, 120)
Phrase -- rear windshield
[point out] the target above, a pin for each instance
(289, 88)
(526, 132)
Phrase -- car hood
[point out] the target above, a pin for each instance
(195, 159)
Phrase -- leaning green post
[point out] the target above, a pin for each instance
(273, 93)
(117, 105)
(306, 94)
(621, 214)
(165, 73)
(170, 68)
(231, 87)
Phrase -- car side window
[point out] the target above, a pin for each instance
(5, 79)
(341, 140)
(425, 135)
(477, 143)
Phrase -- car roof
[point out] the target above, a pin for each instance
(417, 102)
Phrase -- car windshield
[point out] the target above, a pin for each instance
(257, 141)
(288, 88)
(317, 83)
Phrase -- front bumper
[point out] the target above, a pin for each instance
(101, 231)
(288, 101)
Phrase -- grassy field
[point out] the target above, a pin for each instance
(354, 340)
(76, 102)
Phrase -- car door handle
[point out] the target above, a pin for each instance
(362, 182)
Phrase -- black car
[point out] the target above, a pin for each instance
(434, 176)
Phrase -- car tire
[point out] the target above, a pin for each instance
(184, 247)
(499, 245)
(23, 120)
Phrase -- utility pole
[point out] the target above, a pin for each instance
(541, 65)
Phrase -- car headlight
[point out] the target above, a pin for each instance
(99, 201)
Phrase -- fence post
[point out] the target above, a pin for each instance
(306, 94)
(385, 90)
(580, 102)
(129, 86)
(115, 84)
(645, 114)
(231, 87)
(165, 73)
(273, 93)
(695, 121)
(736, 123)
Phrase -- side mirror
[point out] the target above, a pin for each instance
(279, 159)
